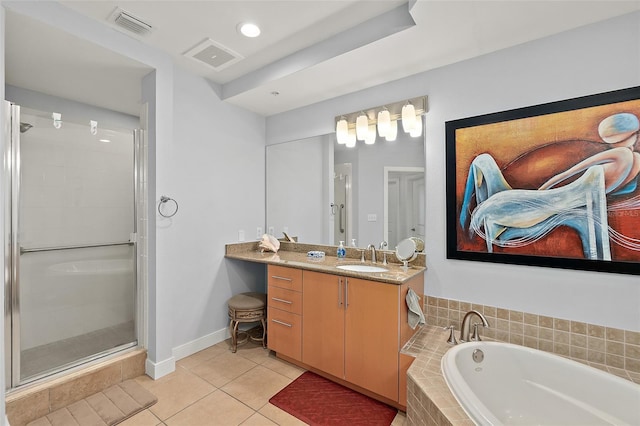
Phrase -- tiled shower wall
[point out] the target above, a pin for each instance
(610, 349)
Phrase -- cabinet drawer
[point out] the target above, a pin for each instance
(285, 300)
(283, 277)
(284, 333)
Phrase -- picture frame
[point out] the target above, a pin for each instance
(552, 185)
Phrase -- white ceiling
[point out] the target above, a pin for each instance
(309, 50)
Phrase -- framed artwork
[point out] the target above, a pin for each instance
(554, 185)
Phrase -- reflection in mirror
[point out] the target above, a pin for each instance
(309, 180)
(341, 211)
(299, 188)
(403, 203)
(368, 163)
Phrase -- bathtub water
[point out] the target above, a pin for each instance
(516, 385)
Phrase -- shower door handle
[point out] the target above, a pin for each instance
(340, 222)
(33, 250)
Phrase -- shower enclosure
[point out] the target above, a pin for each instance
(70, 243)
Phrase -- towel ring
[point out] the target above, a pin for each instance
(163, 200)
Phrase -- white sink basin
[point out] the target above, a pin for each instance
(362, 268)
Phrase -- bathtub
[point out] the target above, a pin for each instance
(507, 384)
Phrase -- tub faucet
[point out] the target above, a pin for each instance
(465, 329)
(373, 252)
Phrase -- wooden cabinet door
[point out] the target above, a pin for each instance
(323, 322)
(372, 336)
(284, 333)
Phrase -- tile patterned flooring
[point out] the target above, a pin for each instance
(216, 387)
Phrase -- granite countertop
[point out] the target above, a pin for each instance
(294, 255)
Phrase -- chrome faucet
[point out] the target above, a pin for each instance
(383, 248)
(465, 329)
(373, 252)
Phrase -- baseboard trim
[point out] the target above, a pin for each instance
(200, 343)
(155, 370)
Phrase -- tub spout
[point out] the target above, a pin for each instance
(465, 329)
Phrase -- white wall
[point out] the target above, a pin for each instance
(559, 67)
(217, 176)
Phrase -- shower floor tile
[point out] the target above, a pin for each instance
(41, 359)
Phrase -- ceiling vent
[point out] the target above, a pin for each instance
(213, 54)
(129, 22)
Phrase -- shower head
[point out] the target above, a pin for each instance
(24, 127)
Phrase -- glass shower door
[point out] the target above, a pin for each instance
(74, 271)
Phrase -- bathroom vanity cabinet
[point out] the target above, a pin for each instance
(350, 329)
(284, 311)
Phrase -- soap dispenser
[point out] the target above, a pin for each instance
(341, 253)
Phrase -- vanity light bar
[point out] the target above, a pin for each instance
(395, 111)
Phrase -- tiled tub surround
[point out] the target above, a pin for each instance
(429, 401)
(614, 350)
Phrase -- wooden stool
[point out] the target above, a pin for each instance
(247, 307)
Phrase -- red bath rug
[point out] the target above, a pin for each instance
(318, 402)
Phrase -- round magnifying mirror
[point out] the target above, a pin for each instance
(406, 251)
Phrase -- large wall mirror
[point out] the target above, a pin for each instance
(322, 192)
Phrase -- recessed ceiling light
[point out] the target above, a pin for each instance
(248, 29)
(105, 140)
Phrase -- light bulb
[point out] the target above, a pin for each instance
(416, 132)
(393, 132)
(370, 139)
(362, 126)
(384, 122)
(342, 131)
(249, 29)
(408, 117)
(351, 139)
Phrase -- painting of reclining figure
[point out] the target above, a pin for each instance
(550, 185)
